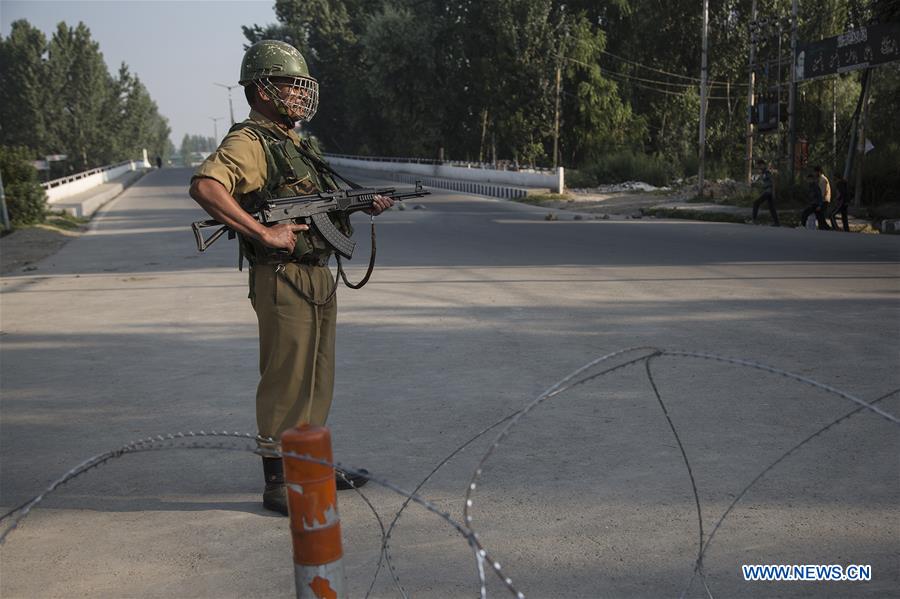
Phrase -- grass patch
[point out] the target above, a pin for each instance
(622, 166)
(65, 221)
(539, 199)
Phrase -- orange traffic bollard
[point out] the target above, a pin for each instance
(312, 504)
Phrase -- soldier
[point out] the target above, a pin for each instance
(291, 286)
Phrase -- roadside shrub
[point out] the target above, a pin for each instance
(580, 178)
(881, 177)
(627, 166)
(26, 201)
(688, 166)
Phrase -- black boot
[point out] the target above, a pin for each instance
(275, 496)
(346, 481)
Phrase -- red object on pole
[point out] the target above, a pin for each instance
(312, 504)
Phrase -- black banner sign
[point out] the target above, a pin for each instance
(857, 49)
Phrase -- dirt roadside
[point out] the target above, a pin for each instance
(23, 248)
(613, 203)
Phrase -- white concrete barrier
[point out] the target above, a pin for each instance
(554, 181)
(66, 187)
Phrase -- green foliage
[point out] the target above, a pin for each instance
(26, 201)
(478, 80)
(23, 89)
(57, 97)
(881, 167)
(627, 166)
(473, 79)
(881, 176)
(579, 179)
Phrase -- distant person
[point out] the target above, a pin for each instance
(159, 162)
(841, 204)
(816, 203)
(767, 184)
(824, 185)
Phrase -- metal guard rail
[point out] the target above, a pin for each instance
(501, 165)
(82, 175)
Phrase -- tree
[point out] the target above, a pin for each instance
(411, 77)
(58, 98)
(25, 198)
(192, 144)
(24, 89)
(451, 73)
(139, 124)
(79, 82)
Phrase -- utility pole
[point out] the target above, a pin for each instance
(484, 122)
(556, 118)
(863, 115)
(834, 154)
(215, 120)
(854, 127)
(4, 215)
(494, 148)
(754, 33)
(779, 85)
(792, 94)
(703, 77)
(230, 105)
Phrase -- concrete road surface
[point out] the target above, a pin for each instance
(475, 308)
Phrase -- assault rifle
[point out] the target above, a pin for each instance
(312, 209)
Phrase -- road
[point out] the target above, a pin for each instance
(476, 306)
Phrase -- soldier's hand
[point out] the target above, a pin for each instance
(379, 205)
(282, 236)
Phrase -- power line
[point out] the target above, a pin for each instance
(630, 79)
(649, 68)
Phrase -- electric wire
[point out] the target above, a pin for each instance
(669, 73)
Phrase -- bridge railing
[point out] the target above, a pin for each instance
(479, 172)
(65, 187)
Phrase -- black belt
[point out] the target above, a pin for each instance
(314, 260)
(308, 260)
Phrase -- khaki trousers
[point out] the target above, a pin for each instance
(296, 348)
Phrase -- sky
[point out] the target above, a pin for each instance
(178, 48)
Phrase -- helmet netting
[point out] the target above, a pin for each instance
(301, 96)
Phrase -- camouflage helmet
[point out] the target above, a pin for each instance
(272, 58)
(270, 62)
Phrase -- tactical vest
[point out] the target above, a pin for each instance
(288, 173)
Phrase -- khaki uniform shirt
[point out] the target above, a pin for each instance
(239, 163)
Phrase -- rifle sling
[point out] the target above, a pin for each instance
(340, 268)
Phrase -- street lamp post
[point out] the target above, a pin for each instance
(230, 105)
(215, 120)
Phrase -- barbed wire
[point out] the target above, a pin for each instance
(167, 441)
(572, 380)
(765, 471)
(580, 376)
